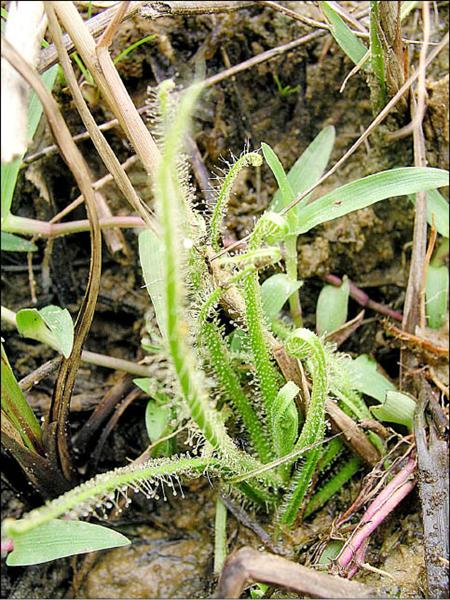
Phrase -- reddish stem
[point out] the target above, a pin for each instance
(363, 299)
(7, 546)
(397, 489)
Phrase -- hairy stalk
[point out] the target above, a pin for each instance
(304, 344)
(267, 376)
(170, 205)
(333, 485)
(248, 159)
(219, 359)
(100, 492)
(220, 536)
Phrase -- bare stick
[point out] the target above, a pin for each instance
(100, 142)
(151, 10)
(105, 75)
(247, 566)
(413, 306)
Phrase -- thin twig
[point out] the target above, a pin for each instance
(152, 10)
(95, 186)
(259, 58)
(103, 148)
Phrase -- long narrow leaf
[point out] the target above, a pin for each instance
(17, 408)
(365, 192)
(152, 263)
(343, 35)
(285, 190)
(307, 169)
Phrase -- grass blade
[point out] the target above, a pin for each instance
(366, 191)
(14, 243)
(343, 35)
(307, 169)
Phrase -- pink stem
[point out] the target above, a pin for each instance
(363, 299)
(7, 546)
(358, 559)
(379, 509)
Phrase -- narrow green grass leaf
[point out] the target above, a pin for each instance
(368, 380)
(59, 538)
(35, 107)
(343, 35)
(332, 307)
(437, 212)
(151, 256)
(396, 408)
(366, 191)
(132, 47)
(8, 183)
(307, 169)
(284, 187)
(377, 58)
(52, 325)
(14, 243)
(436, 294)
(275, 291)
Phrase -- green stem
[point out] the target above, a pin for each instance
(220, 536)
(100, 490)
(220, 361)
(377, 59)
(249, 159)
(292, 272)
(304, 344)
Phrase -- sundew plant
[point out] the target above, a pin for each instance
(260, 431)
